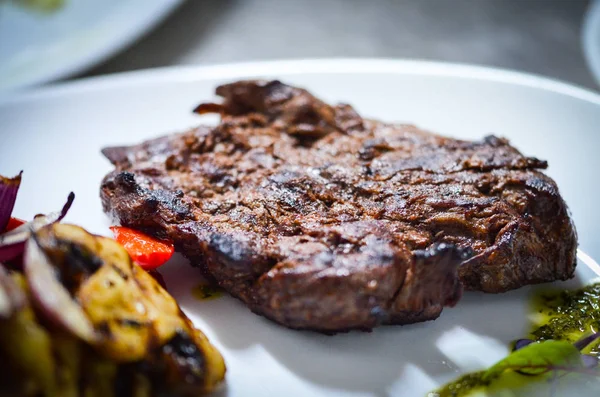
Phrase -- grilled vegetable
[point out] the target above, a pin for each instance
(51, 297)
(139, 342)
(9, 187)
(12, 243)
(27, 346)
(12, 297)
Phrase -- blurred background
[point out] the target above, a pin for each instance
(545, 37)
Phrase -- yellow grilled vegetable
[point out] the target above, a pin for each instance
(140, 343)
(27, 346)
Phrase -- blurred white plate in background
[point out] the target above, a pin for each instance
(38, 47)
(55, 135)
(591, 38)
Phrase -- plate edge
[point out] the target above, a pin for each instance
(282, 68)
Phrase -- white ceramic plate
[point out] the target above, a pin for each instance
(37, 47)
(55, 135)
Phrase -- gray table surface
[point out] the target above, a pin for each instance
(536, 36)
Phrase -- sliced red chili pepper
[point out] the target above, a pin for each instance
(13, 223)
(146, 251)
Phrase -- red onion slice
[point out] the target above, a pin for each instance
(12, 297)
(49, 295)
(586, 341)
(11, 251)
(9, 188)
(12, 244)
(589, 361)
(521, 343)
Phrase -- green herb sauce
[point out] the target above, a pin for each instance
(206, 292)
(463, 386)
(558, 315)
(41, 5)
(568, 315)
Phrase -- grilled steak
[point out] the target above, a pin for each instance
(317, 218)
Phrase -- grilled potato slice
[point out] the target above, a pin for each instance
(27, 349)
(143, 337)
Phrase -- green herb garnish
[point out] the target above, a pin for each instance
(41, 5)
(552, 358)
(206, 292)
(539, 365)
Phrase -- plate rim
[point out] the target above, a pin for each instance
(288, 67)
(155, 13)
(589, 261)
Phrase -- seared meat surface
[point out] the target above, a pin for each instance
(317, 218)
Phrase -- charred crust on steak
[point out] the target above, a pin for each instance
(319, 219)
